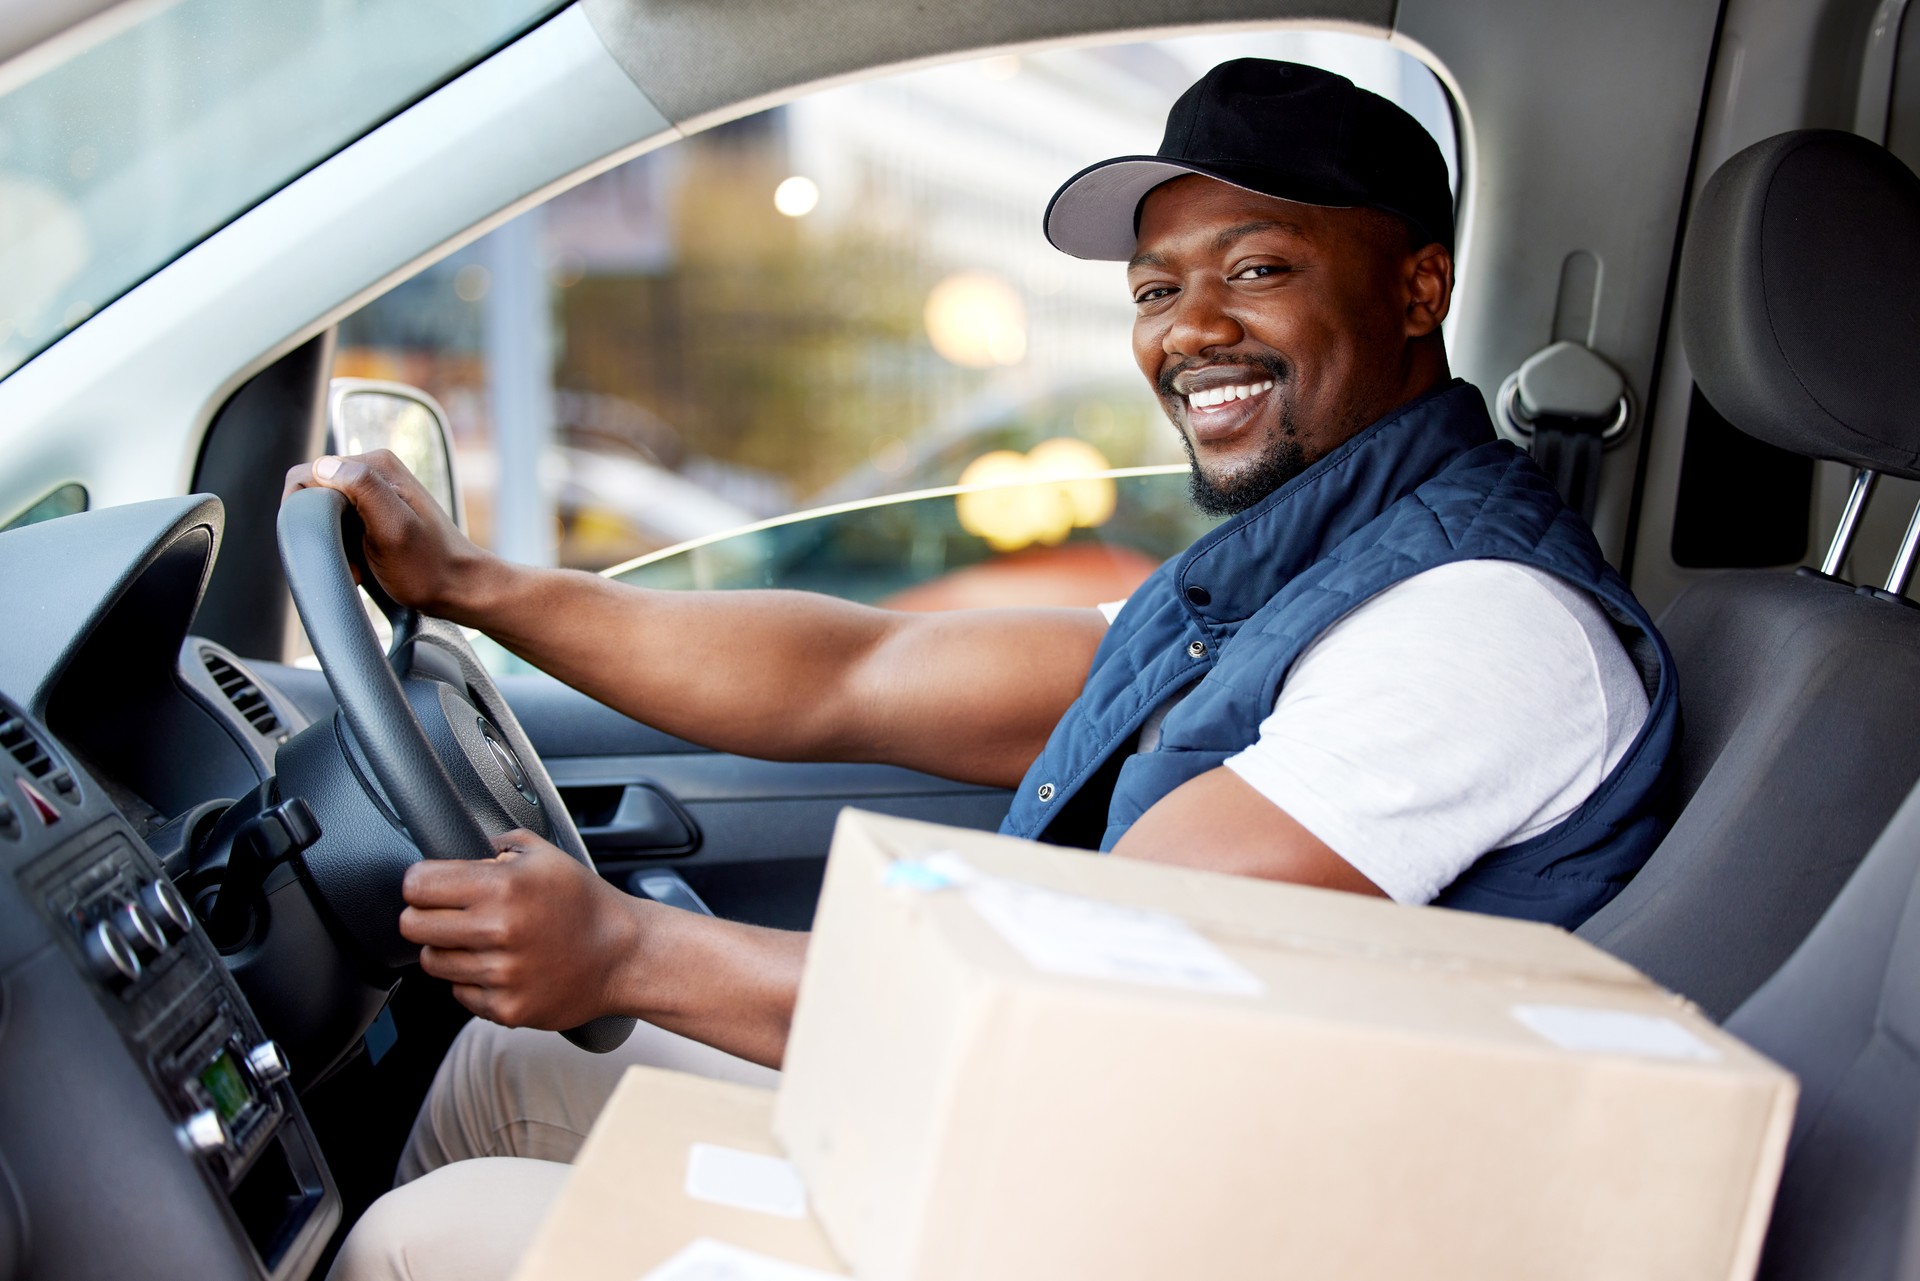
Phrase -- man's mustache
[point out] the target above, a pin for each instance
(1274, 367)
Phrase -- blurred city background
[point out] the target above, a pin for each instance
(831, 301)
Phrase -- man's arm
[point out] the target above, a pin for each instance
(1219, 822)
(970, 695)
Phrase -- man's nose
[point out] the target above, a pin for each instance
(1199, 323)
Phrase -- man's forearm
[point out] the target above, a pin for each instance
(758, 672)
(729, 985)
(969, 695)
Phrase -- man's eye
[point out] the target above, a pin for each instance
(1260, 271)
(1153, 294)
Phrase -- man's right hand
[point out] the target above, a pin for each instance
(532, 938)
(419, 555)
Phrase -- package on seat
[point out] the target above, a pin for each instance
(680, 1181)
(1018, 1062)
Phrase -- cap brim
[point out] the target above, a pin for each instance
(1091, 216)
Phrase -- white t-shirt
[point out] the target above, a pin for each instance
(1466, 709)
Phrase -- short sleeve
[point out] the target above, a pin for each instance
(1458, 712)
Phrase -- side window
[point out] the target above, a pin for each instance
(1079, 541)
(823, 305)
(67, 500)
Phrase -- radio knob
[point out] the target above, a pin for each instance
(164, 904)
(203, 1133)
(267, 1063)
(140, 930)
(108, 955)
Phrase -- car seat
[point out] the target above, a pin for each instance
(1801, 694)
(1843, 1015)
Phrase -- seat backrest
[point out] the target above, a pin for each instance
(1802, 703)
(1801, 697)
(1843, 1014)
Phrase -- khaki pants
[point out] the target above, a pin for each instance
(508, 1108)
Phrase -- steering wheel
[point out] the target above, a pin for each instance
(446, 756)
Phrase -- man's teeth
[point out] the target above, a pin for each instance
(1221, 395)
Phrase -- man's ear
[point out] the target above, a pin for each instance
(1429, 289)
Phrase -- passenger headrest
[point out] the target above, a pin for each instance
(1800, 298)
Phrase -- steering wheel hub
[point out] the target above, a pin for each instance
(509, 763)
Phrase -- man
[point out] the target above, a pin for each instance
(1402, 668)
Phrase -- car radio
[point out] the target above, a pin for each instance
(120, 931)
(131, 933)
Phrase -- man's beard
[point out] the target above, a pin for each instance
(1280, 460)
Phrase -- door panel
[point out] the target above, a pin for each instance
(760, 829)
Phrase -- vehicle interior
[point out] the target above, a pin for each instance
(1690, 238)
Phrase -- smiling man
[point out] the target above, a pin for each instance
(1402, 667)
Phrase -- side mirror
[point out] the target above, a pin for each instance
(363, 415)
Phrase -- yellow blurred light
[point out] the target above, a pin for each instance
(996, 468)
(1007, 345)
(976, 320)
(1009, 514)
(1089, 495)
(796, 196)
(1021, 508)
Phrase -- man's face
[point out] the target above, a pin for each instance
(1272, 331)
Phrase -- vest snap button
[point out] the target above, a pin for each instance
(1199, 595)
(1198, 649)
(1046, 791)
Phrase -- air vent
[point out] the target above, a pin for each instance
(21, 743)
(242, 693)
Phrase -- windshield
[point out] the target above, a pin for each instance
(123, 157)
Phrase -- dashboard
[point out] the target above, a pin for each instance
(149, 1124)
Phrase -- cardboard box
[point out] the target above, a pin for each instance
(1015, 1062)
(680, 1179)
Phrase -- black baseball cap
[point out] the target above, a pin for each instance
(1277, 128)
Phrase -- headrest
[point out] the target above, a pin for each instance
(1800, 298)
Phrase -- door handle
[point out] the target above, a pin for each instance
(645, 823)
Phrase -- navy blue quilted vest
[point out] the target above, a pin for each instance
(1424, 487)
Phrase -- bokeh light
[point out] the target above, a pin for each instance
(1019, 508)
(796, 197)
(976, 320)
(1089, 495)
(471, 282)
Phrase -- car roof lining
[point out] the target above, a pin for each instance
(702, 64)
